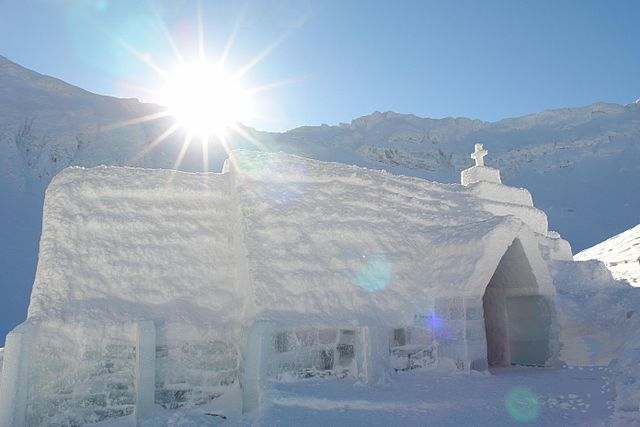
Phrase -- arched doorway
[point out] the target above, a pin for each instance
(517, 318)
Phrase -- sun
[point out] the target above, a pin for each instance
(205, 99)
(210, 104)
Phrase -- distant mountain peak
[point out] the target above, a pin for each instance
(15, 74)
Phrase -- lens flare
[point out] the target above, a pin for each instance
(280, 187)
(374, 274)
(433, 322)
(522, 404)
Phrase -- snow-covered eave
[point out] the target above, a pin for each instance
(103, 178)
(240, 159)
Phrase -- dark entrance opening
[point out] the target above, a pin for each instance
(517, 318)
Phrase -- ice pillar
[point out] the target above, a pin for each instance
(13, 388)
(145, 369)
(259, 343)
(372, 354)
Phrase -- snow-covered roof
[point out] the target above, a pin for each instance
(275, 233)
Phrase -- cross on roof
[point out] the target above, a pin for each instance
(479, 154)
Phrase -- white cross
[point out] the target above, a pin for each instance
(479, 154)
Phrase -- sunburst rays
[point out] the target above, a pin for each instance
(136, 121)
(201, 54)
(164, 135)
(183, 151)
(205, 153)
(261, 55)
(222, 138)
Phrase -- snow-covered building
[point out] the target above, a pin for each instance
(171, 288)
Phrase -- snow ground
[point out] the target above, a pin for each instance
(580, 397)
(508, 397)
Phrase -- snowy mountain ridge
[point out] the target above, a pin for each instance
(47, 124)
(580, 164)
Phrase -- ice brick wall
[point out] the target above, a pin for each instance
(87, 374)
(475, 335)
(121, 245)
(80, 376)
(452, 332)
(194, 368)
(413, 347)
(312, 352)
(448, 322)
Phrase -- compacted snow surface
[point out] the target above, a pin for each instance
(507, 397)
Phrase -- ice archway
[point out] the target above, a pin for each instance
(517, 318)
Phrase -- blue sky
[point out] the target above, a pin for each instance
(337, 60)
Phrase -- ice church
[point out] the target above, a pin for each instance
(157, 287)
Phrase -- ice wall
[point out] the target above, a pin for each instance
(145, 368)
(592, 312)
(194, 363)
(80, 374)
(13, 388)
(118, 246)
(599, 326)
